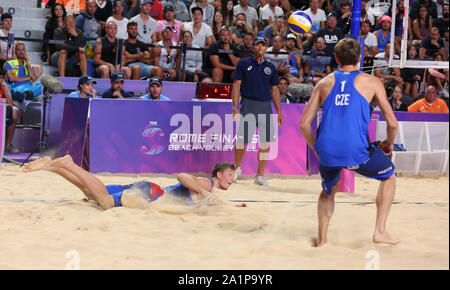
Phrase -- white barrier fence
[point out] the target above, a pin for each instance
(426, 144)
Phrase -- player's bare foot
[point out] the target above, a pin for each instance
(385, 238)
(62, 161)
(37, 164)
(320, 243)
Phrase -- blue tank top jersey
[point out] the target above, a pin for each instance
(293, 70)
(382, 40)
(182, 192)
(342, 137)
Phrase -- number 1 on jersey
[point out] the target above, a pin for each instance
(342, 86)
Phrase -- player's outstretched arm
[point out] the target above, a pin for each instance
(195, 185)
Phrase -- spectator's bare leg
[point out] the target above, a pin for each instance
(157, 72)
(217, 75)
(83, 60)
(135, 72)
(10, 130)
(62, 57)
(104, 71)
(126, 72)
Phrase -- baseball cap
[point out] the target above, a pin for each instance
(86, 80)
(168, 7)
(386, 18)
(260, 39)
(154, 80)
(291, 36)
(167, 26)
(117, 77)
(332, 14)
(147, 1)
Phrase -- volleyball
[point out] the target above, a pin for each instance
(299, 22)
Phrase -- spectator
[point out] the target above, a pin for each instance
(147, 26)
(337, 5)
(269, 12)
(429, 4)
(20, 76)
(217, 24)
(430, 103)
(6, 49)
(104, 11)
(399, 15)
(85, 88)
(367, 61)
(73, 7)
(167, 58)
(316, 63)
(318, 19)
(221, 65)
(181, 11)
(228, 12)
(131, 8)
(370, 40)
(384, 72)
(156, 12)
(138, 56)
(87, 23)
(411, 76)
(71, 53)
(240, 29)
(421, 26)
(330, 33)
(109, 56)
(250, 14)
(11, 117)
(201, 32)
(207, 10)
(395, 96)
(432, 44)
(278, 60)
(383, 35)
(443, 22)
(118, 19)
(116, 90)
(300, 4)
(439, 78)
(294, 61)
(278, 27)
(58, 13)
(440, 7)
(1, 12)
(285, 97)
(155, 87)
(446, 43)
(246, 47)
(194, 61)
(366, 15)
(345, 17)
(169, 20)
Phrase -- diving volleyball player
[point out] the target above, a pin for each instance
(190, 189)
(342, 138)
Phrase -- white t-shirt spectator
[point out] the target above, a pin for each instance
(276, 60)
(371, 40)
(145, 30)
(316, 19)
(121, 27)
(250, 13)
(200, 38)
(267, 13)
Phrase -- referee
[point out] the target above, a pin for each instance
(256, 81)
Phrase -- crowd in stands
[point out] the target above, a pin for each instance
(103, 38)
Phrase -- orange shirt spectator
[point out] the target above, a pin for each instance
(430, 103)
(73, 6)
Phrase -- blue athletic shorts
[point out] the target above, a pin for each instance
(147, 190)
(378, 166)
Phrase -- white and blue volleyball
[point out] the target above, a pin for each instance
(299, 22)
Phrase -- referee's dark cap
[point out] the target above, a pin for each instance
(260, 39)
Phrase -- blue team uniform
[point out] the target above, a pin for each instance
(151, 192)
(342, 137)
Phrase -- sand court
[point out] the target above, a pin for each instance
(53, 228)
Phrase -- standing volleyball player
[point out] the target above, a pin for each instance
(342, 137)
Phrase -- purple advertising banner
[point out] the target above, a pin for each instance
(2, 127)
(417, 117)
(170, 137)
(73, 129)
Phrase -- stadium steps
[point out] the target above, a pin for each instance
(19, 3)
(30, 13)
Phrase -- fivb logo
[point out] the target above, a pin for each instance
(215, 132)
